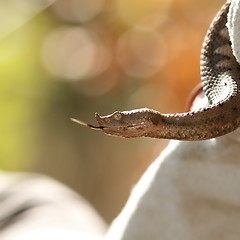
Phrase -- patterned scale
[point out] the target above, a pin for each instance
(219, 68)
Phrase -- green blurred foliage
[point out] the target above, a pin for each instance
(23, 91)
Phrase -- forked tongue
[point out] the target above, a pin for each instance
(87, 124)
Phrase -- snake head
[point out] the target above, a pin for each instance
(128, 124)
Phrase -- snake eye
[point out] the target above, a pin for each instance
(117, 116)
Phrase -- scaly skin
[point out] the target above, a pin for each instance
(220, 75)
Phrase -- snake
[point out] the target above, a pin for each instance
(220, 77)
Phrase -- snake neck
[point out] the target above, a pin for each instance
(203, 124)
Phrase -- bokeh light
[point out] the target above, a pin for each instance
(72, 53)
(14, 13)
(78, 10)
(141, 52)
(135, 12)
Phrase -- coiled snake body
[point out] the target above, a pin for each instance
(220, 75)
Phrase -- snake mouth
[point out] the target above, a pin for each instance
(128, 130)
(100, 127)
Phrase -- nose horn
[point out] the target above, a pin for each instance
(101, 121)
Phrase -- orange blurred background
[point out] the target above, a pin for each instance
(72, 58)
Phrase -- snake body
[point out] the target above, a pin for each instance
(220, 75)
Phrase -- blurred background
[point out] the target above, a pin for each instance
(71, 58)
